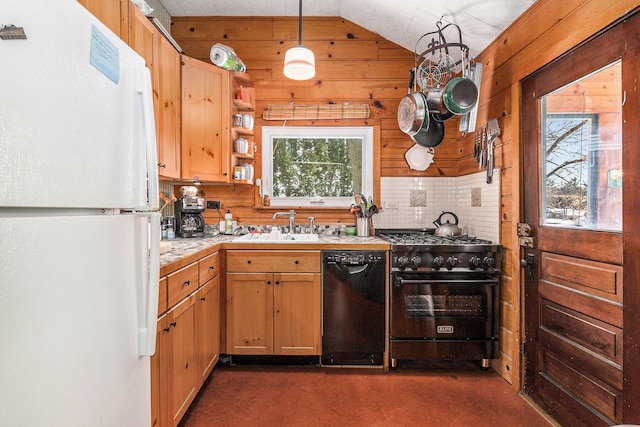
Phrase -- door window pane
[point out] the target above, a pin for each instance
(582, 153)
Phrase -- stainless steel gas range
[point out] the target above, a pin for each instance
(443, 296)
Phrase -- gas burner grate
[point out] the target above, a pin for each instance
(430, 239)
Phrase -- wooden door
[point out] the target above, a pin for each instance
(296, 312)
(205, 121)
(208, 325)
(578, 139)
(182, 378)
(142, 35)
(167, 96)
(158, 377)
(250, 313)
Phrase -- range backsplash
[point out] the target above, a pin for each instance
(417, 202)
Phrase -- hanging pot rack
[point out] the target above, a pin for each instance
(441, 61)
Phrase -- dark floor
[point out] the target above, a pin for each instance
(436, 394)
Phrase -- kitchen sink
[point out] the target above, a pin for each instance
(283, 238)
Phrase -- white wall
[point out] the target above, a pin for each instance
(415, 202)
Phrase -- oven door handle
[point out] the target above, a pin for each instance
(400, 281)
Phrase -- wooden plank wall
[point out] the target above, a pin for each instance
(357, 66)
(352, 65)
(544, 32)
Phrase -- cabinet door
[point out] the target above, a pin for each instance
(182, 378)
(142, 35)
(167, 97)
(208, 325)
(112, 13)
(250, 313)
(205, 121)
(297, 317)
(159, 377)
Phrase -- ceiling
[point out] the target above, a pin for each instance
(400, 21)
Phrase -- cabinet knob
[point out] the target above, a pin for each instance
(277, 282)
(203, 299)
(268, 282)
(248, 261)
(211, 267)
(187, 282)
(297, 262)
(162, 165)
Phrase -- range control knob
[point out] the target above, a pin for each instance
(489, 261)
(416, 261)
(438, 262)
(403, 262)
(451, 262)
(474, 262)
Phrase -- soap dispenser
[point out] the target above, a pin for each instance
(274, 234)
(228, 222)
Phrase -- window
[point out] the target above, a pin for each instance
(581, 152)
(315, 165)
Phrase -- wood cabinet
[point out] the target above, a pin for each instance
(180, 336)
(273, 302)
(242, 102)
(188, 339)
(205, 121)
(142, 36)
(167, 98)
(112, 13)
(208, 316)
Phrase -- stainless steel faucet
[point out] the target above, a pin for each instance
(292, 216)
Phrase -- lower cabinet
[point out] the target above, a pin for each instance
(271, 312)
(188, 340)
(208, 327)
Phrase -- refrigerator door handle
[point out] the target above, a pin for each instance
(149, 259)
(144, 88)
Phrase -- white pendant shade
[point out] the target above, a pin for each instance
(299, 63)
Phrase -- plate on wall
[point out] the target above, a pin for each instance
(419, 158)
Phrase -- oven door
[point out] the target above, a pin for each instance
(442, 308)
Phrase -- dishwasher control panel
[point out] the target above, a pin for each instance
(354, 257)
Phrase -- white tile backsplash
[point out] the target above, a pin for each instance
(442, 194)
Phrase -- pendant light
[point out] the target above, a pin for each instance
(299, 62)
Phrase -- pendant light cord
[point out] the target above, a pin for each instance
(300, 23)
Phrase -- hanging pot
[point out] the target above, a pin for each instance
(413, 114)
(447, 229)
(460, 95)
(432, 136)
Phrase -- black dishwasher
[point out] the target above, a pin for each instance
(353, 307)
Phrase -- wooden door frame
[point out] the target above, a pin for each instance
(601, 47)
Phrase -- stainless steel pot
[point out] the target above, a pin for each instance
(413, 113)
(447, 229)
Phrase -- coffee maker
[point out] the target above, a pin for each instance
(189, 220)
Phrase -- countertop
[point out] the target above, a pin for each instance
(187, 250)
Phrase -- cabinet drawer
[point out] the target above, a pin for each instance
(208, 268)
(273, 261)
(162, 296)
(182, 283)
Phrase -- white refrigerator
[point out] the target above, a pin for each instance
(79, 227)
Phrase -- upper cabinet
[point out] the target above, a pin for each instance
(164, 62)
(167, 101)
(112, 13)
(205, 122)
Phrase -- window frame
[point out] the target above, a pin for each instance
(367, 133)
